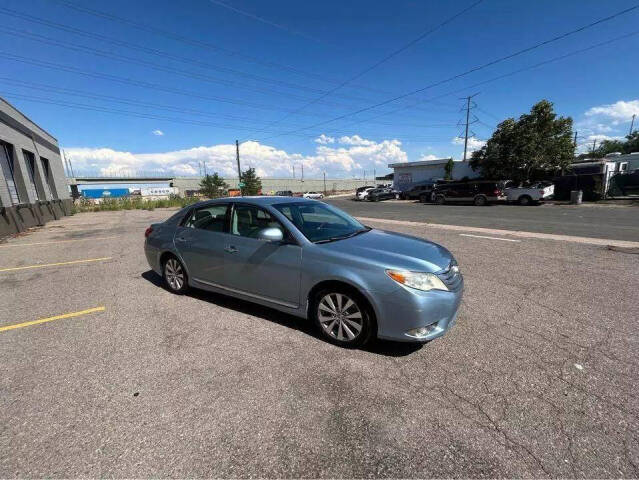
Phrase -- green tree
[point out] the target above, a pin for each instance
(213, 186)
(450, 165)
(252, 183)
(537, 141)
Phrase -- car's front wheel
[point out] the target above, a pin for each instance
(175, 276)
(343, 317)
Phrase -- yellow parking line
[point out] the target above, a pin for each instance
(50, 319)
(54, 264)
(55, 241)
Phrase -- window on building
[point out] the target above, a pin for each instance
(29, 159)
(7, 167)
(48, 176)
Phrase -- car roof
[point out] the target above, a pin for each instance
(261, 200)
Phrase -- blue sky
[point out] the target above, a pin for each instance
(229, 70)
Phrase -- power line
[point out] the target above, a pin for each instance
(128, 101)
(162, 54)
(267, 22)
(139, 83)
(151, 116)
(467, 72)
(202, 44)
(472, 70)
(381, 61)
(154, 66)
(499, 77)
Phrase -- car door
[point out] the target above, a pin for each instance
(200, 242)
(265, 270)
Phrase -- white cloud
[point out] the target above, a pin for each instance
(428, 157)
(586, 145)
(324, 140)
(618, 112)
(267, 160)
(158, 133)
(355, 140)
(473, 143)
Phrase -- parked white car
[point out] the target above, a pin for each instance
(315, 195)
(363, 195)
(537, 192)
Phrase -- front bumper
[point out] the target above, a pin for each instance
(407, 309)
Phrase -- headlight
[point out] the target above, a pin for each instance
(418, 280)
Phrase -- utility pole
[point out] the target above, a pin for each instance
(302, 172)
(293, 171)
(632, 123)
(324, 183)
(574, 142)
(374, 176)
(467, 124)
(239, 170)
(594, 145)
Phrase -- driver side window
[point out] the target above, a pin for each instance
(248, 220)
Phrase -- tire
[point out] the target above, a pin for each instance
(525, 200)
(348, 327)
(480, 201)
(376, 199)
(174, 275)
(440, 199)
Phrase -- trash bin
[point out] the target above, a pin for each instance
(576, 196)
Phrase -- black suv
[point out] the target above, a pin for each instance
(416, 192)
(478, 192)
(284, 193)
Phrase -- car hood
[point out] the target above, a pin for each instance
(394, 250)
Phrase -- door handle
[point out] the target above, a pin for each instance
(230, 249)
(181, 239)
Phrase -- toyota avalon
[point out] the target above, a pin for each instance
(311, 260)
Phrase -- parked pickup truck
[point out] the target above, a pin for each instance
(533, 194)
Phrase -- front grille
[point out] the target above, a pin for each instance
(451, 276)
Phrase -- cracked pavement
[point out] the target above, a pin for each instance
(537, 379)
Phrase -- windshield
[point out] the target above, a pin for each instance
(320, 222)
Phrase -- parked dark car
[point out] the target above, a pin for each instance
(378, 194)
(415, 191)
(478, 192)
(284, 193)
(361, 189)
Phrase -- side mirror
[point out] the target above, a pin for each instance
(270, 235)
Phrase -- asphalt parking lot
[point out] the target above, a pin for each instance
(537, 379)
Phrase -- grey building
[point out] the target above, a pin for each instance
(33, 185)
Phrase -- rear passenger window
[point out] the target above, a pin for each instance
(212, 218)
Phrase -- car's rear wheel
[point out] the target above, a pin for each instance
(439, 199)
(175, 275)
(525, 200)
(480, 201)
(343, 317)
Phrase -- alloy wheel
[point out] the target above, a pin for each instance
(340, 317)
(174, 274)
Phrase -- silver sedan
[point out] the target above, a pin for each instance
(314, 261)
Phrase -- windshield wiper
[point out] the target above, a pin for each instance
(348, 235)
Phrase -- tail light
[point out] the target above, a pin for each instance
(147, 232)
(497, 192)
(541, 192)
